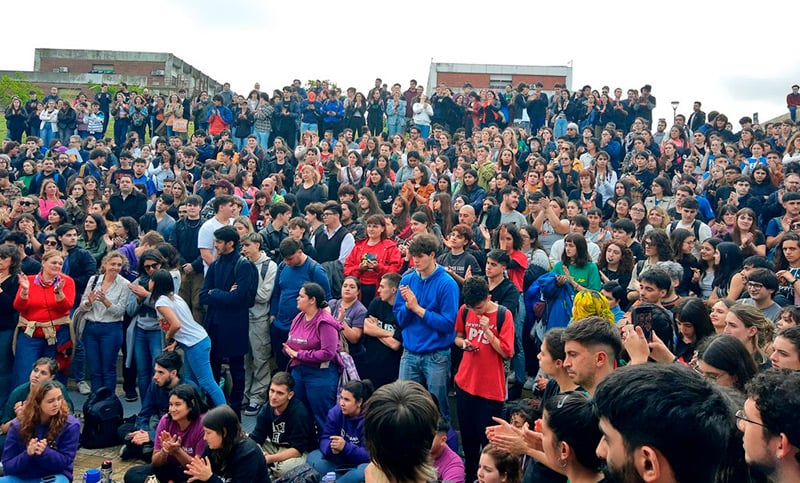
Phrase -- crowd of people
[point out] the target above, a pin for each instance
(312, 247)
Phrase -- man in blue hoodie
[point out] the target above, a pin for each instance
(426, 311)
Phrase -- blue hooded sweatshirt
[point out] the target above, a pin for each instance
(438, 294)
(351, 430)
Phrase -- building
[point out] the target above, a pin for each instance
(74, 69)
(495, 76)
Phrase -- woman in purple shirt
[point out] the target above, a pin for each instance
(42, 443)
(313, 346)
(179, 438)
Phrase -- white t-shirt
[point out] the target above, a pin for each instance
(190, 332)
(205, 237)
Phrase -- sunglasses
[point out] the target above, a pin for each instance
(51, 243)
(26, 203)
(152, 266)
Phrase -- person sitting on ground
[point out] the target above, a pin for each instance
(180, 438)
(43, 442)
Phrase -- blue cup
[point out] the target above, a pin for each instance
(91, 476)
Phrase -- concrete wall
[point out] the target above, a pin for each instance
(455, 75)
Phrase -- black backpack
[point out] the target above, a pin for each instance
(102, 416)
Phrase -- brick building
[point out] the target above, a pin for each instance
(496, 76)
(73, 69)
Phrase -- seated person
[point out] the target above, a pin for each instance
(449, 466)
(139, 436)
(284, 428)
(43, 441)
(341, 447)
(44, 369)
(180, 438)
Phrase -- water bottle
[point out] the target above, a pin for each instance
(105, 472)
(329, 477)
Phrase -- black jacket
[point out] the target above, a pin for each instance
(244, 464)
(184, 238)
(80, 265)
(293, 428)
(135, 205)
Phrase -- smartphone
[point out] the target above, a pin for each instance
(371, 257)
(755, 118)
(643, 317)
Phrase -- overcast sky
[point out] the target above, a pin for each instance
(687, 50)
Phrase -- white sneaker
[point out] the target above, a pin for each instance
(83, 388)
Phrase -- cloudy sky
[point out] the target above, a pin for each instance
(736, 59)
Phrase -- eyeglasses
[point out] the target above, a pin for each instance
(51, 243)
(741, 417)
(152, 266)
(755, 285)
(641, 210)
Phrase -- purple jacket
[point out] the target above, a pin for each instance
(58, 458)
(316, 341)
(352, 430)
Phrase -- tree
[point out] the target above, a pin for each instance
(16, 86)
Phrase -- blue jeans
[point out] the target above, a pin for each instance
(316, 388)
(169, 132)
(6, 364)
(197, 367)
(424, 130)
(31, 348)
(147, 345)
(518, 361)
(59, 478)
(102, 342)
(263, 139)
(395, 125)
(307, 126)
(793, 113)
(78, 362)
(348, 471)
(47, 134)
(432, 370)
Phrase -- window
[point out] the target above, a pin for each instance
(499, 81)
(102, 69)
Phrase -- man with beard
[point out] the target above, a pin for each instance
(661, 423)
(770, 425)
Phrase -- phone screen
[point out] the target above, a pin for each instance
(643, 317)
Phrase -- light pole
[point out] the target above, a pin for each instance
(674, 110)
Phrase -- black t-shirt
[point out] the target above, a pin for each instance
(638, 251)
(460, 262)
(379, 363)
(293, 428)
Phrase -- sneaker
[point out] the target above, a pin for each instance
(529, 382)
(252, 409)
(131, 397)
(83, 388)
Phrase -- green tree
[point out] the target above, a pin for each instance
(16, 86)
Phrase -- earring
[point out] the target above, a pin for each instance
(562, 463)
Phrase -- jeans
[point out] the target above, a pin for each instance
(432, 370)
(6, 364)
(424, 130)
(793, 113)
(31, 348)
(263, 139)
(316, 388)
(102, 342)
(78, 365)
(277, 337)
(47, 134)
(169, 132)
(518, 361)
(197, 366)
(59, 478)
(350, 473)
(147, 345)
(474, 415)
(395, 125)
(307, 126)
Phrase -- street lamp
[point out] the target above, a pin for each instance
(675, 110)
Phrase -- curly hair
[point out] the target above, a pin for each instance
(627, 261)
(32, 414)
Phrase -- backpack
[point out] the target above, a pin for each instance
(102, 416)
(304, 473)
(695, 228)
(253, 288)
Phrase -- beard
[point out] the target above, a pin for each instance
(625, 474)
